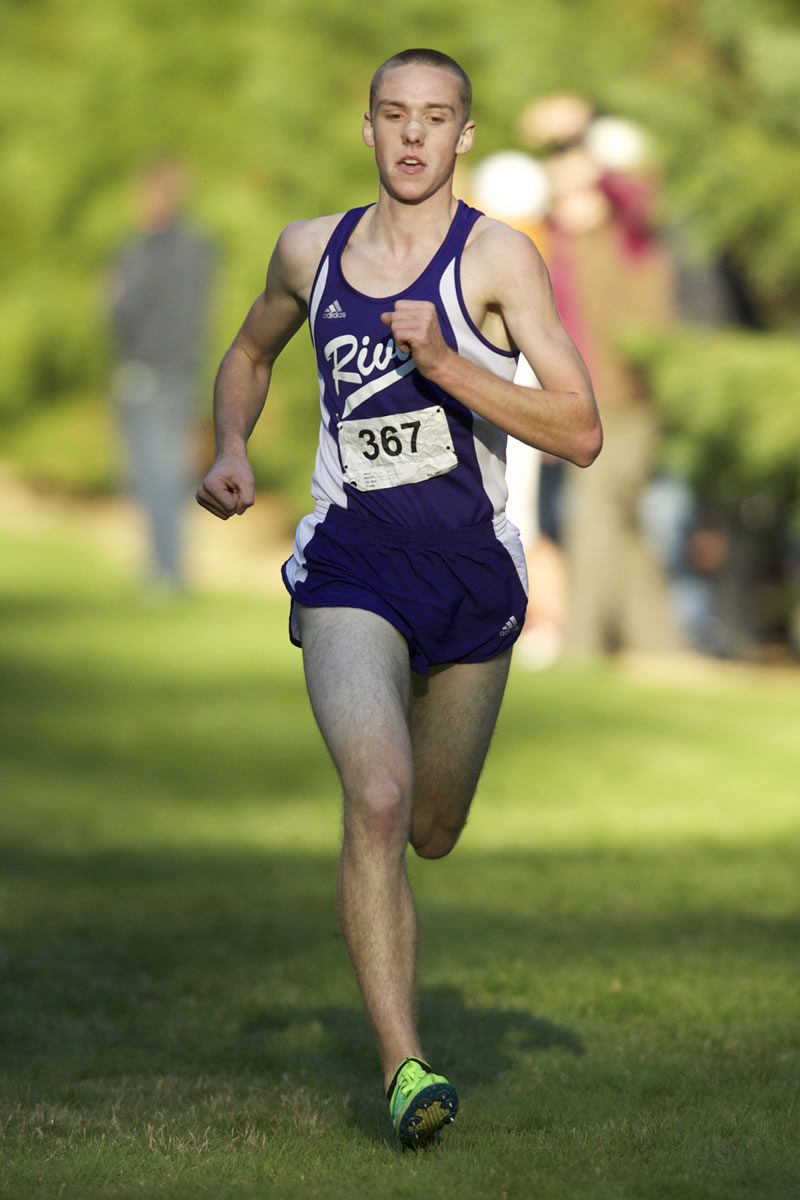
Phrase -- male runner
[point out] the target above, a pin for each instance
(408, 585)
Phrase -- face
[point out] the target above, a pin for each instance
(417, 129)
(158, 197)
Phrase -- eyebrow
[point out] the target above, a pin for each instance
(429, 105)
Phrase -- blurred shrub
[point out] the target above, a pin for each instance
(264, 103)
(730, 405)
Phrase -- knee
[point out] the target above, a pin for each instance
(434, 843)
(376, 812)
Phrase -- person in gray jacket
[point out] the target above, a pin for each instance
(160, 290)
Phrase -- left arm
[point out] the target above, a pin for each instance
(561, 418)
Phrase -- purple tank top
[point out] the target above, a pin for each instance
(394, 447)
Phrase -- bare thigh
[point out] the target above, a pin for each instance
(453, 713)
(358, 679)
(391, 732)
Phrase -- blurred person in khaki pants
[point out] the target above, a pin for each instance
(610, 270)
(513, 186)
(159, 295)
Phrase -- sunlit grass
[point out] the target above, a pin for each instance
(608, 963)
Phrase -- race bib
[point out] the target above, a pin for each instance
(384, 452)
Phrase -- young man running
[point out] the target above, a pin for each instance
(408, 585)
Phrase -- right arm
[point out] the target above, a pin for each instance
(243, 379)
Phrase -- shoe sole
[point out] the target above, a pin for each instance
(432, 1108)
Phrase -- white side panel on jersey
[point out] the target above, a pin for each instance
(316, 296)
(508, 534)
(470, 346)
(523, 468)
(296, 570)
(327, 482)
(490, 451)
(490, 442)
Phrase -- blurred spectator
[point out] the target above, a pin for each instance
(712, 575)
(512, 186)
(610, 269)
(159, 296)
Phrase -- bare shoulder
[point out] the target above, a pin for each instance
(298, 252)
(500, 255)
(307, 239)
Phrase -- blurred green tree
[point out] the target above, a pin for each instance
(264, 104)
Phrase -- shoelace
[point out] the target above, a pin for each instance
(406, 1084)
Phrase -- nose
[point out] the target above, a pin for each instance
(413, 132)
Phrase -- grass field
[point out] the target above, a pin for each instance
(609, 962)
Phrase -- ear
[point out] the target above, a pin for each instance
(367, 131)
(464, 144)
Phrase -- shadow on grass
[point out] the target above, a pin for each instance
(152, 966)
(228, 965)
(145, 971)
(473, 1046)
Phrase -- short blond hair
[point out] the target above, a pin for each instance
(427, 58)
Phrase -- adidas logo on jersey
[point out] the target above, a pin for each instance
(334, 310)
(511, 624)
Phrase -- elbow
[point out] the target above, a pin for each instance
(588, 446)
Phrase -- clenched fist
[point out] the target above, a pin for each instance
(229, 487)
(416, 330)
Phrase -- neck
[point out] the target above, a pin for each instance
(396, 221)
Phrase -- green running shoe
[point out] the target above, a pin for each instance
(420, 1103)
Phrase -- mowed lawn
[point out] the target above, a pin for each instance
(609, 960)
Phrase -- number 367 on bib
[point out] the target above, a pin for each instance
(383, 452)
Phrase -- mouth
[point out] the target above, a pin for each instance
(411, 164)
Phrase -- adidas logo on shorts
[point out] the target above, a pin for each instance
(511, 624)
(334, 310)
